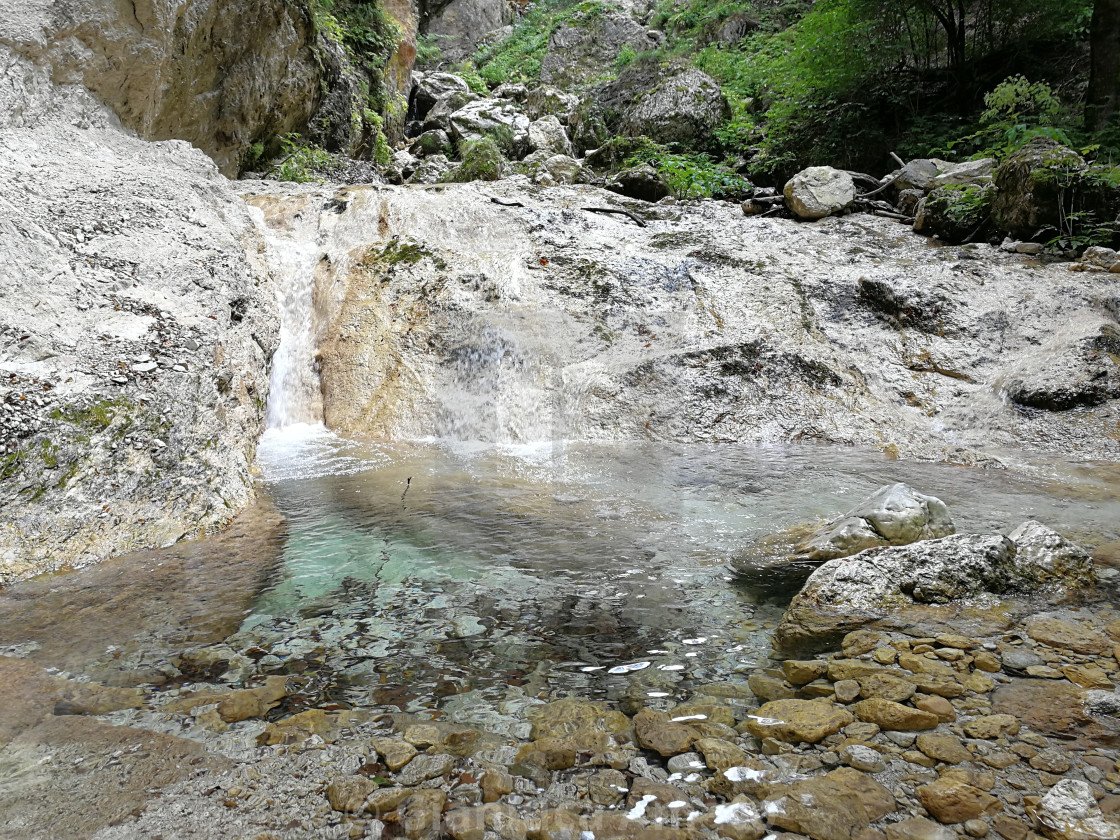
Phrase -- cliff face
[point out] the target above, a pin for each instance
(137, 321)
(218, 74)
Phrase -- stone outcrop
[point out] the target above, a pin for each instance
(577, 53)
(138, 322)
(893, 515)
(459, 26)
(220, 75)
(850, 592)
(684, 108)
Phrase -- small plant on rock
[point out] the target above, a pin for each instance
(482, 160)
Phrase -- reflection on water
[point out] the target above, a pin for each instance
(419, 571)
(467, 581)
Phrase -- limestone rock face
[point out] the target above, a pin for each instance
(461, 25)
(548, 135)
(1074, 368)
(137, 277)
(819, 191)
(217, 74)
(893, 515)
(430, 88)
(578, 53)
(685, 108)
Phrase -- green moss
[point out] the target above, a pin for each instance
(97, 417)
(399, 253)
(966, 206)
(482, 160)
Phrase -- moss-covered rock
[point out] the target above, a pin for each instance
(955, 213)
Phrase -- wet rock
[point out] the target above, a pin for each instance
(1053, 631)
(395, 753)
(846, 593)
(431, 170)
(420, 816)
(607, 787)
(797, 721)
(894, 716)
(939, 706)
(684, 108)
(1072, 369)
(918, 174)
(424, 767)
(862, 758)
(719, 754)
(495, 784)
(1055, 709)
(349, 794)
(893, 515)
(655, 732)
(819, 191)
(991, 726)
(887, 687)
(918, 828)
(557, 824)
(1069, 811)
(837, 805)
(572, 715)
(802, 672)
(766, 688)
(951, 800)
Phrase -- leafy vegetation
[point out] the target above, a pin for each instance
(301, 161)
(690, 175)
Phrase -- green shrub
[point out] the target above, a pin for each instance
(690, 175)
(482, 160)
(428, 51)
(301, 161)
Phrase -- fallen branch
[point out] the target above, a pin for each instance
(634, 217)
(897, 159)
(498, 201)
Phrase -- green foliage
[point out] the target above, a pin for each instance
(469, 74)
(428, 51)
(97, 417)
(690, 175)
(254, 156)
(966, 205)
(518, 57)
(300, 162)
(482, 160)
(626, 57)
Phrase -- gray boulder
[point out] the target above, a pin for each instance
(547, 134)
(917, 174)
(642, 182)
(1028, 185)
(848, 593)
(819, 191)
(582, 52)
(685, 108)
(431, 170)
(430, 88)
(545, 100)
(893, 515)
(497, 118)
(439, 117)
(1069, 811)
(434, 142)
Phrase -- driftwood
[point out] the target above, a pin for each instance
(501, 203)
(634, 217)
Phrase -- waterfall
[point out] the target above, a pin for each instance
(294, 393)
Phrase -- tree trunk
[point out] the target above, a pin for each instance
(1103, 98)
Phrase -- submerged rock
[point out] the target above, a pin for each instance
(892, 515)
(848, 593)
(1069, 811)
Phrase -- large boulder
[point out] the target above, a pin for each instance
(819, 191)
(500, 119)
(642, 182)
(1029, 185)
(971, 172)
(685, 108)
(955, 213)
(582, 51)
(892, 515)
(848, 593)
(548, 135)
(1069, 811)
(544, 101)
(430, 88)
